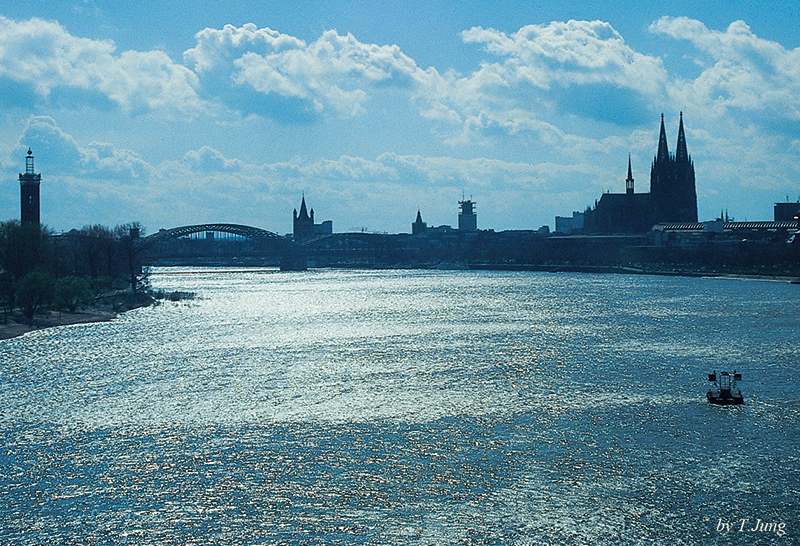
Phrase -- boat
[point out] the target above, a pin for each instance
(723, 390)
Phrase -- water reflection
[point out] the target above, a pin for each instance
(343, 407)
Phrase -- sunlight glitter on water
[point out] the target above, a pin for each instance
(368, 407)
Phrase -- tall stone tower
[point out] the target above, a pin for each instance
(29, 192)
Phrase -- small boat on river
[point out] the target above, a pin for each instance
(723, 390)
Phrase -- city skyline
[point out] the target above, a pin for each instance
(375, 111)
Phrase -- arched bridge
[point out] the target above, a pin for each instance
(253, 233)
(249, 245)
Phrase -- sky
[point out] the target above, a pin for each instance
(172, 114)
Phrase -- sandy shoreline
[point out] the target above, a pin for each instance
(102, 312)
(55, 318)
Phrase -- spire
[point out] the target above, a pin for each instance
(663, 151)
(681, 155)
(303, 210)
(419, 227)
(629, 180)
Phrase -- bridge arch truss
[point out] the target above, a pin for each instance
(263, 237)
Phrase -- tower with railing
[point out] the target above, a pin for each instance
(29, 192)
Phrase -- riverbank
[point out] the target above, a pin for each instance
(54, 318)
(789, 277)
(103, 312)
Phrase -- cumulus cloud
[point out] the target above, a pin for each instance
(57, 152)
(571, 53)
(559, 67)
(272, 74)
(40, 59)
(740, 71)
(208, 159)
(51, 146)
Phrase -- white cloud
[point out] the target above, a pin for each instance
(575, 52)
(58, 153)
(334, 74)
(208, 159)
(740, 70)
(45, 57)
(544, 75)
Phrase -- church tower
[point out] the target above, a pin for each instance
(684, 176)
(418, 227)
(660, 169)
(29, 193)
(303, 223)
(672, 182)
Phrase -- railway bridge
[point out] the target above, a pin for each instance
(221, 244)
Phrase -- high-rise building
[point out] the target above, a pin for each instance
(29, 192)
(467, 217)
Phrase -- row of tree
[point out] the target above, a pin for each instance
(40, 270)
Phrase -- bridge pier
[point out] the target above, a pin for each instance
(294, 261)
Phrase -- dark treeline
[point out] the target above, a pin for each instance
(41, 270)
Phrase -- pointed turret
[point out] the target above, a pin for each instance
(629, 180)
(681, 155)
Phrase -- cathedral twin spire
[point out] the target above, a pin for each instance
(672, 197)
(672, 182)
(681, 155)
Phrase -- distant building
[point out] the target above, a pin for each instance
(566, 224)
(467, 218)
(304, 227)
(418, 227)
(787, 212)
(440, 230)
(672, 196)
(29, 192)
(733, 235)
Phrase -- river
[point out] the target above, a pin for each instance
(408, 407)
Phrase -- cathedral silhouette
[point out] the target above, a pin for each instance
(672, 198)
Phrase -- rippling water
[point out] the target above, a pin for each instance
(408, 407)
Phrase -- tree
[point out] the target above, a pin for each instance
(71, 291)
(128, 236)
(23, 248)
(95, 248)
(34, 292)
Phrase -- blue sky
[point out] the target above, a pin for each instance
(172, 114)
